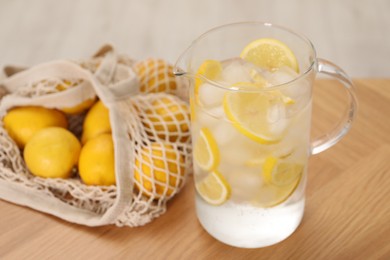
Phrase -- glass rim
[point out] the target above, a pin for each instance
(260, 23)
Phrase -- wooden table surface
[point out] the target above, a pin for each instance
(347, 212)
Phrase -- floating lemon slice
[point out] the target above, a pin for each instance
(250, 113)
(270, 53)
(210, 69)
(206, 152)
(281, 180)
(214, 189)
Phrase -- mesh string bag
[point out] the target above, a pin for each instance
(150, 129)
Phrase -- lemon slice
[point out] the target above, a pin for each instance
(281, 173)
(206, 152)
(210, 69)
(270, 196)
(214, 189)
(252, 114)
(270, 53)
(281, 180)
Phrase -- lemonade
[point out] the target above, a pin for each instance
(251, 144)
(251, 100)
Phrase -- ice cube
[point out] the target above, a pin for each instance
(236, 71)
(297, 90)
(210, 95)
(243, 151)
(279, 127)
(210, 117)
(234, 153)
(217, 112)
(244, 183)
(275, 113)
(281, 76)
(283, 150)
(276, 117)
(224, 133)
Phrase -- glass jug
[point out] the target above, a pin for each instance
(251, 132)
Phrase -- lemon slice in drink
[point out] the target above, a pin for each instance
(253, 113)
(281, 180)
(206, 152)
(270, 196)
(210, 69)
(270, 53)
(281, 173)
(214, 189)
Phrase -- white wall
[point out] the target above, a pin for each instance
(354, 34)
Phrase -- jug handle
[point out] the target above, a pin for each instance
(338, 132)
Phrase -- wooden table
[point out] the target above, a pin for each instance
(347, 214)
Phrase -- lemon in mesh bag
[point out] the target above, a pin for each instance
(168, 118)
(22, 123)
(96, 122)
(82, 106)
(154, 154)
(159, 170)
(97, 162)
(155, 75)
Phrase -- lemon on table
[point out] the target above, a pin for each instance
(270, 53)
(210, 69)
(96, 122)
(97, 161)
(281, 180)
(22, 123)
(168, 118)
(214, 188)
(159, 170)
(52, 152)
(206, 151)
(257, 115)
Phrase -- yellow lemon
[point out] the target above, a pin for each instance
(270, 53)
(209, 69)
(52, 152)
(22, 123)
(168, 118)
(83, 106)
(206, 151)
(155, 75)
(214, 188)
(281, 180)
(96, 122)
(97, 161)
(159, 170)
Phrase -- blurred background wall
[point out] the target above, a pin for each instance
(355, 34)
